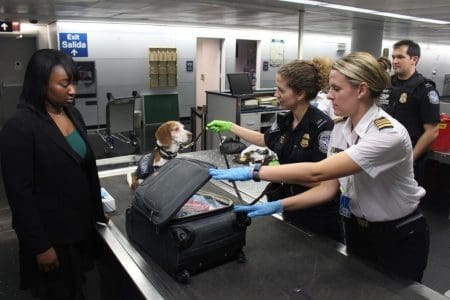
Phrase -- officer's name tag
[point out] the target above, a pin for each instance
(344, 206)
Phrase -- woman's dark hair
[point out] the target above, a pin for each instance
(413, 47)
(37, 75)
(385, 63)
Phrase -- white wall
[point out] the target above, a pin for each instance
(53, 36)
(121, 54)
(42, 38)
(324, 45)
(39, 31)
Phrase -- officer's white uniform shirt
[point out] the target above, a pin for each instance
(385, 189)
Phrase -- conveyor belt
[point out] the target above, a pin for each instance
(440, 156)
(282, 262)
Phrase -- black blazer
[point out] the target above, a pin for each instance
(54, 195)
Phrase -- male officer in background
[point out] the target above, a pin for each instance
(414, 101)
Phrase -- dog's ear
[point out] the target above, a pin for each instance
(163, 134)
(134, 182)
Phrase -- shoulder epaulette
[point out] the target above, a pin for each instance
(339, 120)
(429, 83)
(383, 123)
(320, 122)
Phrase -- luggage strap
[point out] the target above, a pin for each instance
(238, 194)
(194, 140)
(263, 193)
(234, 183)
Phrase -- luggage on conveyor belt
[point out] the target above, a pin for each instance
(184, 222)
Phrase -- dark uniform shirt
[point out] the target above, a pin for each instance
(308, 142)
(413, 102)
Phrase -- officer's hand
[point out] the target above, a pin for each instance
(274, 163)
(260, 209)
(219, 126)
(233, 174)
(47, 260)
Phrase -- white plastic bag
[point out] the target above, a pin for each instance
(109, 204)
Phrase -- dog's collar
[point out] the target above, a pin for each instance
(166, 154)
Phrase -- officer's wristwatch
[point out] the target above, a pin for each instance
(255, 172)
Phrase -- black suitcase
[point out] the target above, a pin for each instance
(183, 241)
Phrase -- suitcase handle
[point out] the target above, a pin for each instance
(183, 237)
(242, 220)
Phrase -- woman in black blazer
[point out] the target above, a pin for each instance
(51, 180)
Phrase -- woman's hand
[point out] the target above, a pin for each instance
(261, 209)
(219, 126)
(48, 260)
(233, 174)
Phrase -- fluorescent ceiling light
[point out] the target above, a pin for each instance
(367, 11)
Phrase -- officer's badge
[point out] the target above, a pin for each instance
(403, 98)
(383, 99)
(324, 140)
(282, 138)
(382, 123)
(385, 94)
(433, 97)
(304, 142)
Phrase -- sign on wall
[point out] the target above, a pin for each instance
(74, 44)
(189, 66)
(276, 53)
(7, 26)
(265, 65)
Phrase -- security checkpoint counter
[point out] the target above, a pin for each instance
(437, 172)
(282, 261)
(441, 156)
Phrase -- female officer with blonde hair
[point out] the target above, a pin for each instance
(370, 160)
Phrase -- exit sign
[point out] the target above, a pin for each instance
(7, 26)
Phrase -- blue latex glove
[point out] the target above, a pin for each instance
(233, 174)
(260, 209)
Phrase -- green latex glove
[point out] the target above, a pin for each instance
(274, 163)
(219, 126)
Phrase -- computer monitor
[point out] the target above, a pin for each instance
(240, 83)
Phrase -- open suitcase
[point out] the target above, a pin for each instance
(184, 222)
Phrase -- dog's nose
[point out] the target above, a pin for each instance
(189, 134)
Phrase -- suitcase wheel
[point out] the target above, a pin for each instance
(183, 276)
(241, 258)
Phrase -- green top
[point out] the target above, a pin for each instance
(77, 143)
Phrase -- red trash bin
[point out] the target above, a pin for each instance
(442, 142)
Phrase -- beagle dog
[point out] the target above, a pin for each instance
(170, 137)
